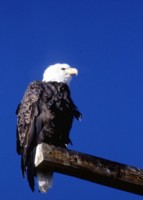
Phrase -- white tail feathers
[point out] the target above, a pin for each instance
(45, 181)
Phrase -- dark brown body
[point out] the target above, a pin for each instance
(45, 115)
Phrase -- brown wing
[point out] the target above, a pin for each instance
(26, 114)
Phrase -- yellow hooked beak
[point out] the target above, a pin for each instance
(71, 71)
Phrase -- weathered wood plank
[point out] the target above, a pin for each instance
(91, 168)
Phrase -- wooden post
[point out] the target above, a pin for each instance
(91, 168)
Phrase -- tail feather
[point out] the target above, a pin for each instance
(45, 180)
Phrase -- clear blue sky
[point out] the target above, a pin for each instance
(104, 40)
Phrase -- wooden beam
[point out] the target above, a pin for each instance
(91, 168)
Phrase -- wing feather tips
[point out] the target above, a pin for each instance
(31, 170)
(77, 114)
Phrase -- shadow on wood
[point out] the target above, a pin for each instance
(91, 168)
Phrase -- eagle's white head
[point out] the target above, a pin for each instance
(59, 73)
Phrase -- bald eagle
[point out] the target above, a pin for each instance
(45, 114)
